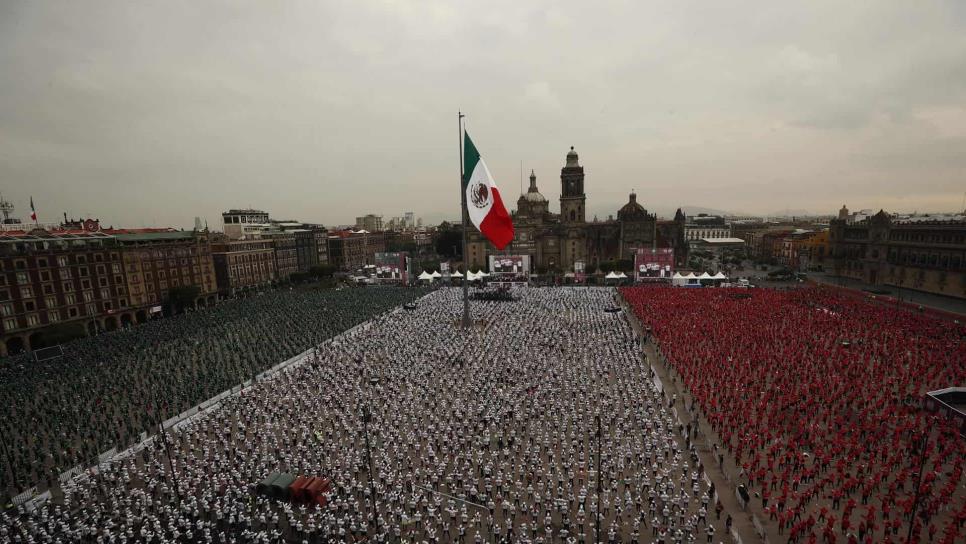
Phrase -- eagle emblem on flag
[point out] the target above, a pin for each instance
(480, 194)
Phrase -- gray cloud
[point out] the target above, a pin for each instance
(144, 114)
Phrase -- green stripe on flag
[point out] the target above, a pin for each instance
(470, 157)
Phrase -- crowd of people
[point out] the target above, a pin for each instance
(108, 389)
(492, 434)
(816, 396)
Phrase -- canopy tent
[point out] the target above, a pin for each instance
(704, 276)
(456, 274)
(690, 276)
(621, 275)
(719, 276)
(678, 280)
(436, 274)
(426, 276)
(482, 274)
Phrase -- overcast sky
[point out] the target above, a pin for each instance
(153, 113)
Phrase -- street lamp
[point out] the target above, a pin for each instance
(915, 502)
(600, 485)
(366, 416)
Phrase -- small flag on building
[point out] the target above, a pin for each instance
(483, 202)
(33, 212)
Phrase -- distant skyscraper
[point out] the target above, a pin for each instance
(410, 220)
(198, 223)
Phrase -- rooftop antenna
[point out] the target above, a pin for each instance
(521, 178)
(6, 208)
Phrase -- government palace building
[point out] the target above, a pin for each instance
(556, 241)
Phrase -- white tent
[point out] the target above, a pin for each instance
(690, 276)
(719, 276)
(704, 276)
(456, 274)
(470, 276)
(436, 274)
(482, 274)
(622, 275)
(426, 276)
(678, 279)
(611, 276)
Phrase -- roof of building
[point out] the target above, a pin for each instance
(40, 235)
(249, 210)
(154, 236)
(720, 241)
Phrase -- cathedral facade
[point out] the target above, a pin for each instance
(556, 241)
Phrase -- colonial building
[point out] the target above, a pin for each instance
(286, 254)
(350, 250)
(922, 253)
(555, 242)
(155, 262)
(243, 264)
(704, 226)
(49, 277)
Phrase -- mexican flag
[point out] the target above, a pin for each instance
(483, 202)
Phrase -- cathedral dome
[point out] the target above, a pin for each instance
(533, 194)
(631, 210)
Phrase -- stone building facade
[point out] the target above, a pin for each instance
(243, 264)
(914, 253)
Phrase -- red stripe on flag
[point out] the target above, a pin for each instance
(497, 226)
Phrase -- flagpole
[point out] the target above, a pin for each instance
(466, 218)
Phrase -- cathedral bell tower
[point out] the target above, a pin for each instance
(572, 197)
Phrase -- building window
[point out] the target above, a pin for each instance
(88, 296)
(82, 271)
(82, 259)
(33, 320)
(22, 278)
(102, 281)
(65, 273)
(72, 312)
(62, 261)
(20, 264)
(4, 294)
(85, 284)
(68, 286)
(71, 298)
(9, 324)
(6, 309)
(53, 316)
(26, 292)
(107, 305)
(51, 302)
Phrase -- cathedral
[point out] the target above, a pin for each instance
(555, 242)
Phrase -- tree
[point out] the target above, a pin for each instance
(322, 271)
(449, 244)
(183, 296)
